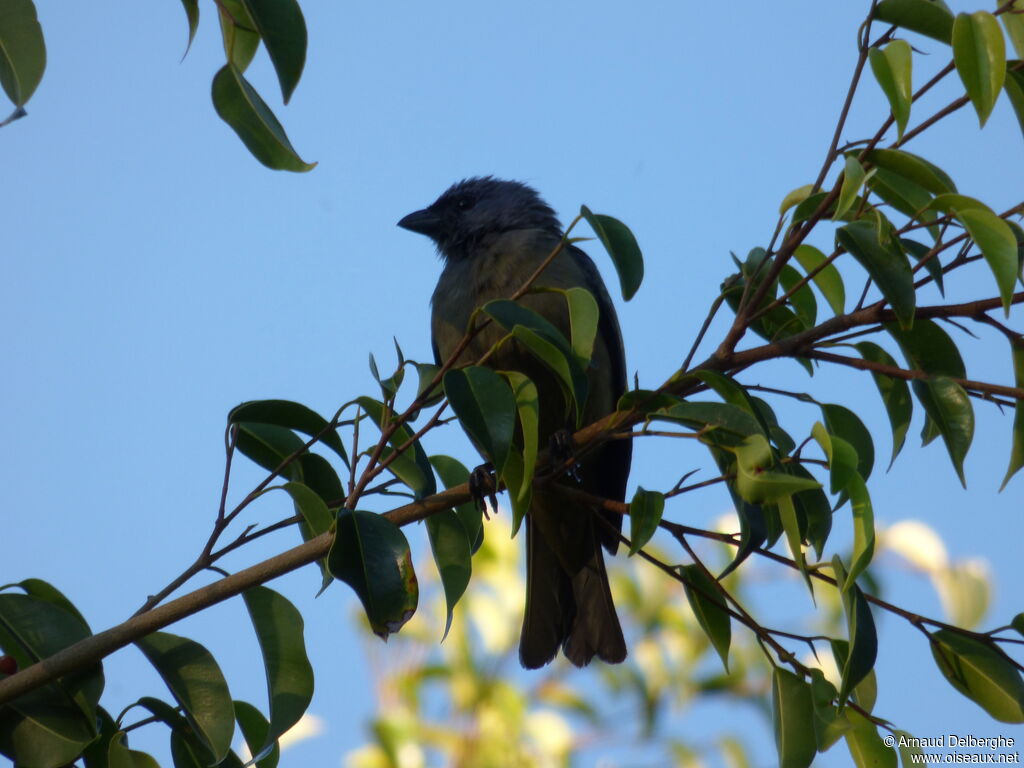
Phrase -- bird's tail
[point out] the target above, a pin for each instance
(568, 599)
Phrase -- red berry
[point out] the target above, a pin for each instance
(8, 666)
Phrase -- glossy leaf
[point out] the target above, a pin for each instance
(119, 756)
(238, 32)
(802, 300)
(827, 280)
(279, 629)
(899, 406)
(453, 473)
(792, 710)
(892, 67)
(528, 410)
(795, 197)
(863, 527)
(829, 722)
(645, 512)
(583, 319)
(927, 347)
(906, 196)
(44, 590)
(197, 684)
(949, 407)
(755, 482)
(855, 659)
(622, 247)
(450, 545)
(980, 56)
(254, 728)
(426, 372)
(914, 168)
(713, 419)
(814, 507)
(867, 748)
(1013, 23)
(192, 15)
(268, 445)
(280, 24)
(411, 466)
(886, 263)
(290, 415)
(241, 107)
(509, 314)
(22, 50)
(486, 409)
(981, 672)
(1017, 440)
(853, 178)
(999, 247)
(924, 16)
(842, 457)
(1014, 87)
(707, 603)
(562, 363)
(371, 555)
(841, 421)
(932, 263)
(794, 537)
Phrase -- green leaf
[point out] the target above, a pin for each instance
(279, 629)
(912, 167)
(828, 280)
(371, 555)
(895, 395)
(853, 178)
(453, 473)
(240, 106)
(389, 386)
(892, 67)
(863, 527)
(426, 373)
(714, 418)
(981, 672)
(980, 57)
(280, 24)
(197, 684)
(1017, 440)
(411, 466)
(1014, 87)
(583, 319)
(706, 601)
(192, 14)
(829, 722)
(857, 658)
(268, 445)
(842, 457)
(254, 727)
(928, 348)
(486, 409)
(290, 415)
(119, 756)
(1013, 23)
(238, 31)
(949, 407)
(802, 300)
(794, 538)
(755, 483)
(22, 50)
(795, 197)
(564, 365)
(842, 422)
(528, 409)
(866, 747)
(792, 710)
(999, 247)
(1018, 623)
(924, 16)
(621, 246)
(450, 545)
(645, 512)
(813, 506)
(886, 263)
(43, 590)
(932, 264)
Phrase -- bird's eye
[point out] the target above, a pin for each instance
(465, 202)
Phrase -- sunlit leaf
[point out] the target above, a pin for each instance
(644, 515)
(892, 67)
(583, 319)
(528, 410)
(621, 246)
(1017, 440)
(792, 710)
(795, 197)
(450, 546)
(828, 280)
(980, 56)
(924, 16)
(999, 247)
(981, 672)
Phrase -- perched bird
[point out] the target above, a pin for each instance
(492, 235)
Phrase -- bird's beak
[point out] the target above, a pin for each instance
(425, 222)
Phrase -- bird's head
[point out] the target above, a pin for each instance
(473, 209)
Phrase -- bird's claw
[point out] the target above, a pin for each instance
(483, 486)
(561, 448)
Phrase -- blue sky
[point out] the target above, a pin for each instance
(156, 275)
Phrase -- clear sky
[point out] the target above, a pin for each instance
(155, 274)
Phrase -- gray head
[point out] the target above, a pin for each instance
(472, 209)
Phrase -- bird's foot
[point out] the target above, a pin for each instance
(561, 448)
(483, 486)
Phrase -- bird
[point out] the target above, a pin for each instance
(491, 235)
